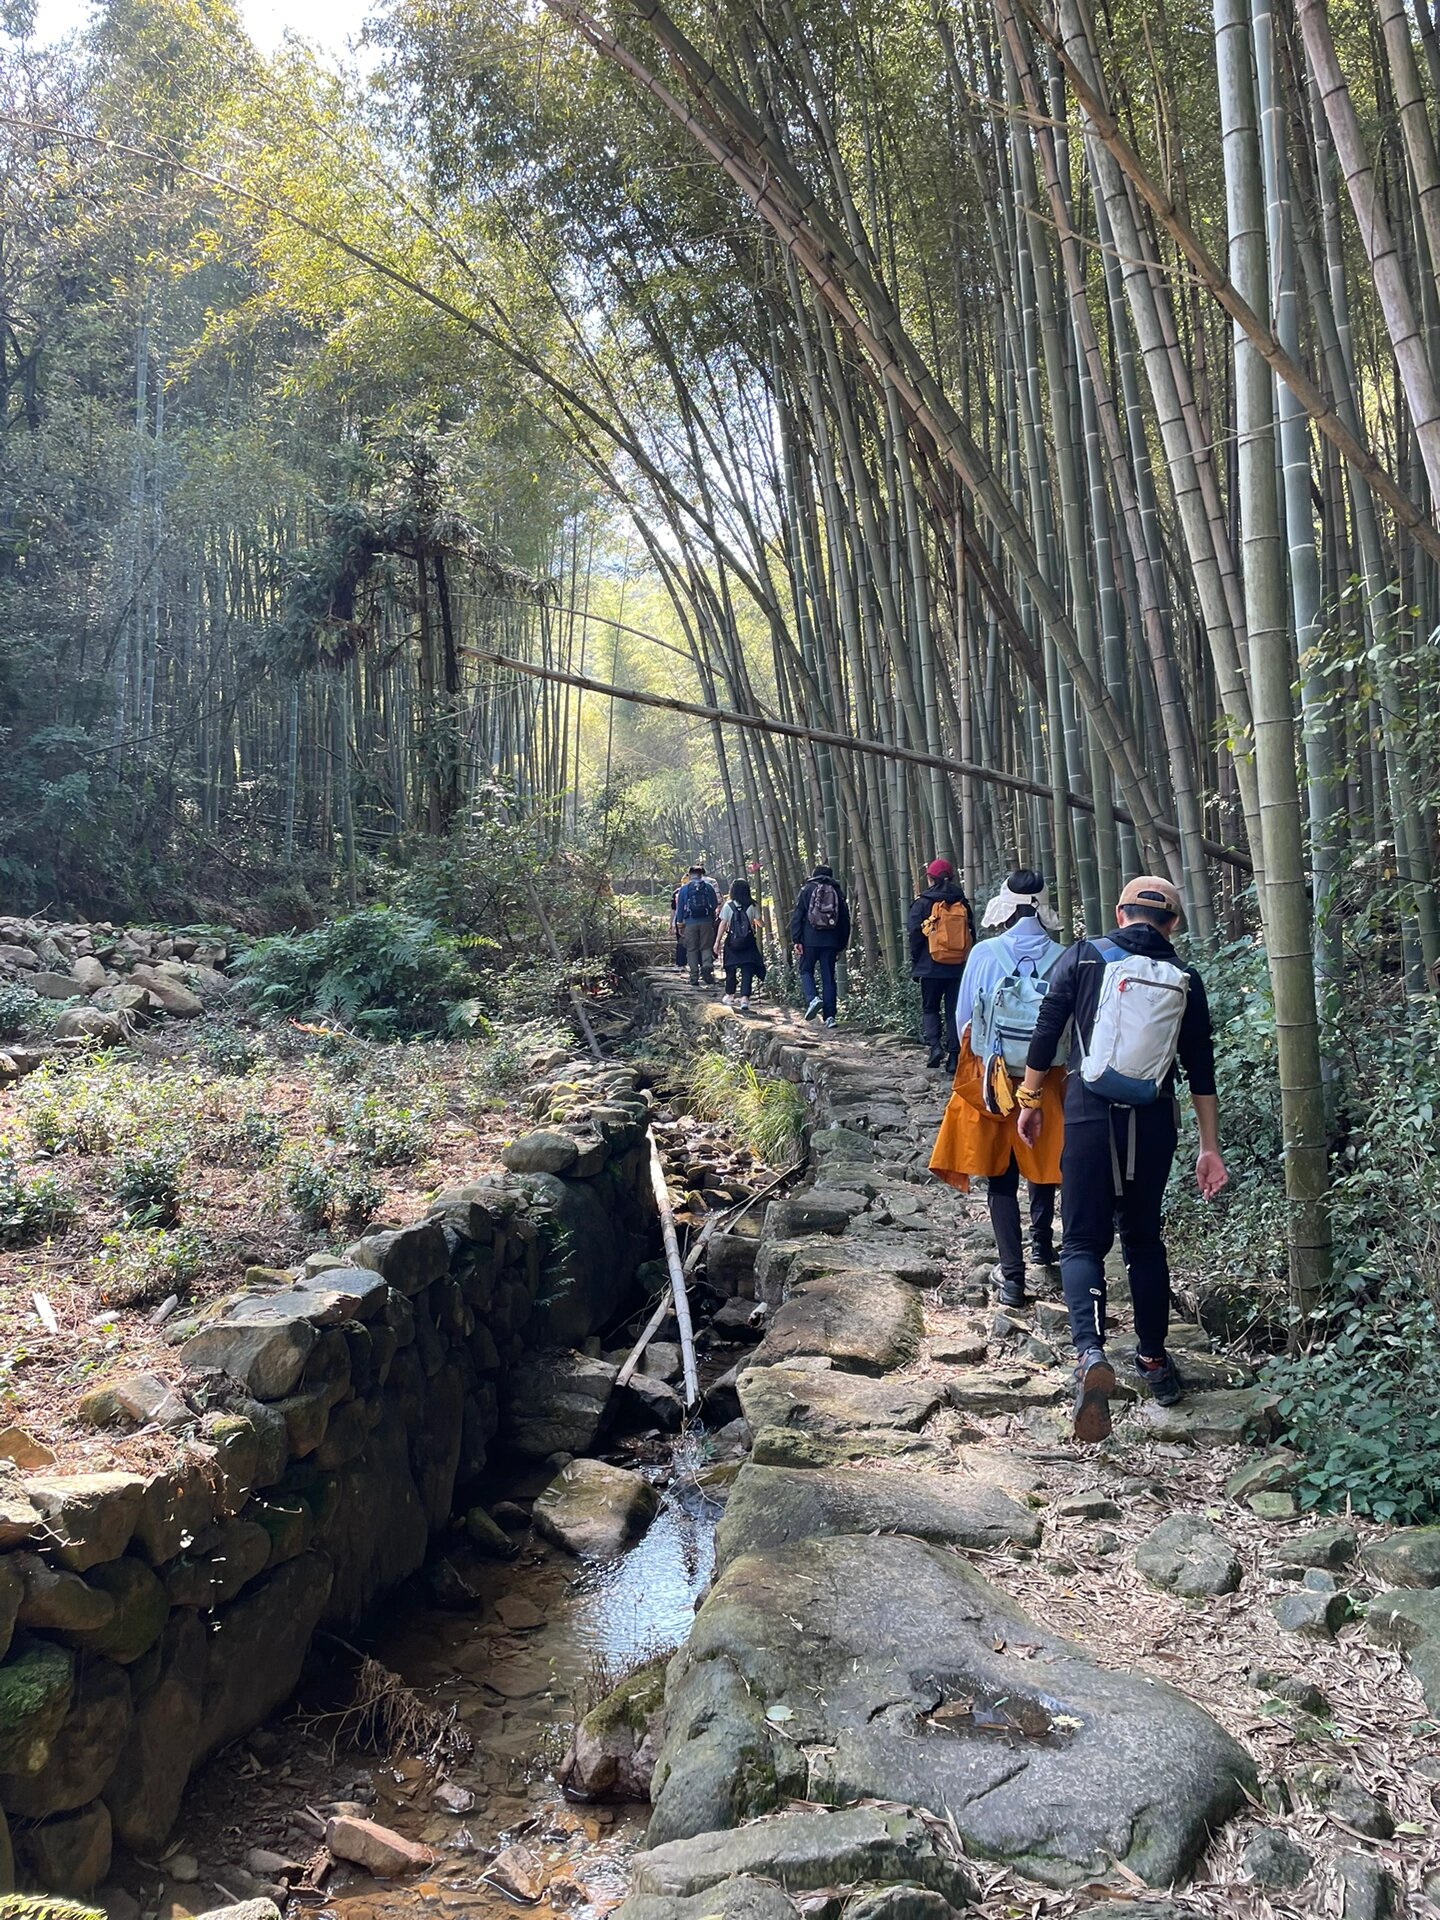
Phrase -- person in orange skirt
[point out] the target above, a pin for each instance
(1000, 997)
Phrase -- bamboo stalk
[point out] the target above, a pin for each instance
(678, 1291)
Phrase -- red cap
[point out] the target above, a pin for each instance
(939, 870)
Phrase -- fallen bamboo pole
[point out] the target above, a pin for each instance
(792, 729)
(677, 1276)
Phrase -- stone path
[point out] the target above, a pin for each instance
(1037, 1677)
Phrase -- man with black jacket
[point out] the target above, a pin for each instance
(819, 929)
(1117, 1158)
(939, 981)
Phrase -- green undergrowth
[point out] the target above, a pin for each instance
(1360, 1386)
(765, 1114)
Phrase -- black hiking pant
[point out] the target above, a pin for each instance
(938, 1000)
(1002, 1195)
(1114, 1179)
(819, 960)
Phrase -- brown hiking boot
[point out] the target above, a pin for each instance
(1094, 1383)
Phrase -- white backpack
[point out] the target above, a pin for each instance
(1137, 1026)
(1004, 1018)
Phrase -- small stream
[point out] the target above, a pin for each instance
(549, 1637)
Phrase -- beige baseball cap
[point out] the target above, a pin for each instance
(1149, 890)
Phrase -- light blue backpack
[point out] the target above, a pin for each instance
(1004, 1018)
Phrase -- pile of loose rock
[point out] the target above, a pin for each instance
(110, 977)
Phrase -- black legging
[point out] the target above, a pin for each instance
(1003, 1196)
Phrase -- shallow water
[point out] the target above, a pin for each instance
(518, 1693)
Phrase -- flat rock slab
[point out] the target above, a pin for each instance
(824, 1401)
(790, 1447)
(742, 1899)
(861, 1323)
(806, 1851)
(594, 1509)
(1226, 1418)
(772, 1507)
(851, 1668)
(1002, 1389)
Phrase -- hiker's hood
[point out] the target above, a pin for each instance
(1140, 937)
(1028, 938)
(943, 890)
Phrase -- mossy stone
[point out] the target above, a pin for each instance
(36, 1685)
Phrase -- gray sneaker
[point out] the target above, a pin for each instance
(813, 1008)
(1094, 1384)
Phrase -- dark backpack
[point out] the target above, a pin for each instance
(697, 901)
(741, 931)
(823, 909)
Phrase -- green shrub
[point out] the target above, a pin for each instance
(30, 1209)
(18, 1007)
(386, 972)
(309, 1186)
(230, 1050)
(357, 1196)
(141, 1265)
(147, 1184)
(764, 1114)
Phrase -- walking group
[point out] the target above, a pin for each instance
(706, 931)
(1064, 1064)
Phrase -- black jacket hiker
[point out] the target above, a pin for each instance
(922, 967)
(1116, 1160)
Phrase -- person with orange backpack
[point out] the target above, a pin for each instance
(941, 929)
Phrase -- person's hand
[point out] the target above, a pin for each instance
(1210, 1173)
(797, 951)
(1028, 1123)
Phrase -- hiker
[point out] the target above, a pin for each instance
(739, 935)
(942, 932)
(675, 933)
(696, 905)
(819, 929)
(1137, 1010)
(1002, 992)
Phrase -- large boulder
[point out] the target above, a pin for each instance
(555, 1403)
(37, 1684)
(612, 1751)
(742, 1899)
(1409, 1558)
(595, 1510)
(83, 1752)
(256, 1649)
(145, 1789)
(820, 1400)
(772, 1507)
(263, 1347)
(860, 1322)
(591, 1257)
(851, 1668)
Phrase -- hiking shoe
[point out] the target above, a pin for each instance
(1161, 1379)
(1008, 1292)
(952, 1064)
(1094, 1384)
(726, 1001)
(936, 1055)
(813, 1008)
(830, 1020)
(744, 1006)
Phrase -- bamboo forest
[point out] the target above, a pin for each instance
(492, 500)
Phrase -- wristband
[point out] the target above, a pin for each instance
(1029, 1098)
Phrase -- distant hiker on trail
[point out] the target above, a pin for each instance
(1002, 993)
(1137, 1009)
(942, 932)
(696, 905)
(739, 935)
(819, 929)
(675, 932)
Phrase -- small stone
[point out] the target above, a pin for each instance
(1337, 1791)
(452, 1799)
(183, 1867)
(1313, 1616)
(1367, 1892)
(1184, 1555)
(1319, 1580)
(136, 1400)
(489, 1538)
(518, 1613)
(24, 1451)
(958, 1351)
(1292, 1689)
(260, 1909)
(517, 1872)
(1271, 1506)
(1087, 1506)
(270, 1866)
(1410, 1558)
(1273, 1859)
(380, 1850)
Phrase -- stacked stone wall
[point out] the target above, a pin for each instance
(326, 1424)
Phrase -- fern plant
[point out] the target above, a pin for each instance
(387, 973)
